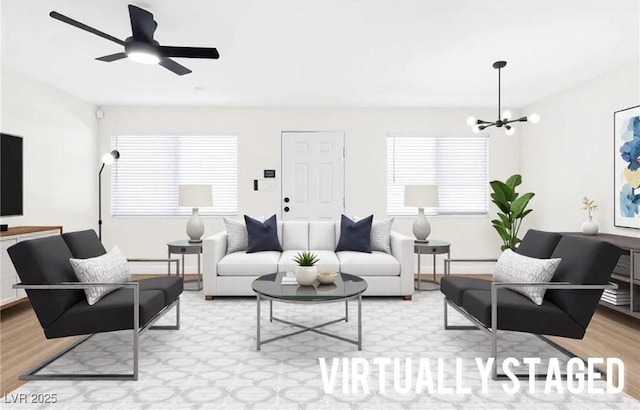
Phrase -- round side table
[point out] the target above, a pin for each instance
(431, 247)
(184, 247)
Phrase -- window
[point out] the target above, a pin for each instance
(458, 165)
(144, 181)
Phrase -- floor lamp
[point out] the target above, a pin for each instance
(107, 159)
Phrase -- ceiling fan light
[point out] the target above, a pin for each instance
(534, 118)
(143, 57)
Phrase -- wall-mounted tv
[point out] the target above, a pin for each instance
(11, 190)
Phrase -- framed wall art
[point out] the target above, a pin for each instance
(626, 133)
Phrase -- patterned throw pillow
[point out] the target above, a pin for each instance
(513, 267)
(112, 267)
(381, 235)
(237, 238)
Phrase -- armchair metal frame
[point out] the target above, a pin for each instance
(493, 330)
(32, 374)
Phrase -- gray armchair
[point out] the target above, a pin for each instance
(62, 309)
(570, 301)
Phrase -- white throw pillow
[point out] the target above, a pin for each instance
(513, 267)
(112, 267)
(381, 235)
(237, 238)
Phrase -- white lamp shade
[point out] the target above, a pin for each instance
(421, 196)
(195, 195)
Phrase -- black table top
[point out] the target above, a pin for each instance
(345, 286)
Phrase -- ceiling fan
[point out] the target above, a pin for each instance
(141, 47)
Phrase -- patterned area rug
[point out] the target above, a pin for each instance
(212, 361)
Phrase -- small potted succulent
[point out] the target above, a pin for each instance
(306, 271)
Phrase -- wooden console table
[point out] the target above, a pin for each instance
(8, 295)
(626, 273)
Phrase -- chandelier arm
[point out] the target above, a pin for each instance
(488, 124)
(521, 119)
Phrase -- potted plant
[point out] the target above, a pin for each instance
(513, 209)
(306, 271)
(589, 227)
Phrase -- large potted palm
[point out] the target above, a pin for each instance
(512, 210)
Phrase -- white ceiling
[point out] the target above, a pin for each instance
(328, 52)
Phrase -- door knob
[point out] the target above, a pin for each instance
(286, 199)
(286, 209)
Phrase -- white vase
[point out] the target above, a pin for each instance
(306, 275)
(589, 227)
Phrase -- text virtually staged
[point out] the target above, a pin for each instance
(401, 375)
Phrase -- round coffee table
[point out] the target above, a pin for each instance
(346, 287)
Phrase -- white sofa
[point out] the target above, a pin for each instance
(231, 274)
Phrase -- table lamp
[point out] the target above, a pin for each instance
(195, 196)
(421, 196)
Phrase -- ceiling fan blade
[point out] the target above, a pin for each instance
(189, 52)
(142, 24)
(171, 65)
(112, 57)
(68, 20)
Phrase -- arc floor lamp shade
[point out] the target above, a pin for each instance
(421, 196)
(195, 196)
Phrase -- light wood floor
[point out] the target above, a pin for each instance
(23, 345)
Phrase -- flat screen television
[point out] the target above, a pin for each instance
(11, 190)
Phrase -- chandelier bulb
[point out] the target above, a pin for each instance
(534, 118)
(510, 131)
(506, 114)
(476, 129)
(471, 121)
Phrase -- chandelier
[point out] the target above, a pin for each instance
(504, 121)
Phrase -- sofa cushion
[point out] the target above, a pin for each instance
(170, 286)
(538, 244)
(368, 264)
(263, 236)
(327, 260)
(355, 236)
(295, 235)
(584, 261)
(381, 235)
(518, 313)
(453, 287)
(322, 235)
(112, 267)
(513, 267)
(248, 264)
(112, 312)
(45, 261)
(84, 244)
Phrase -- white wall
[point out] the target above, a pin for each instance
(569, 154)
(259, 131)
(60, 157)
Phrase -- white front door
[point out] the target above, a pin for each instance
(312, 175)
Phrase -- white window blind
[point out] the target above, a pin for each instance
(457, 165)
(144, 181)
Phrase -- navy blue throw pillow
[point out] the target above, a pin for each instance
(355, 236)
(263, 236)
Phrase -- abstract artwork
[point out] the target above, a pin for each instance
(626, 125)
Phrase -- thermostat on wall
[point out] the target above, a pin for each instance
(269, 173)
